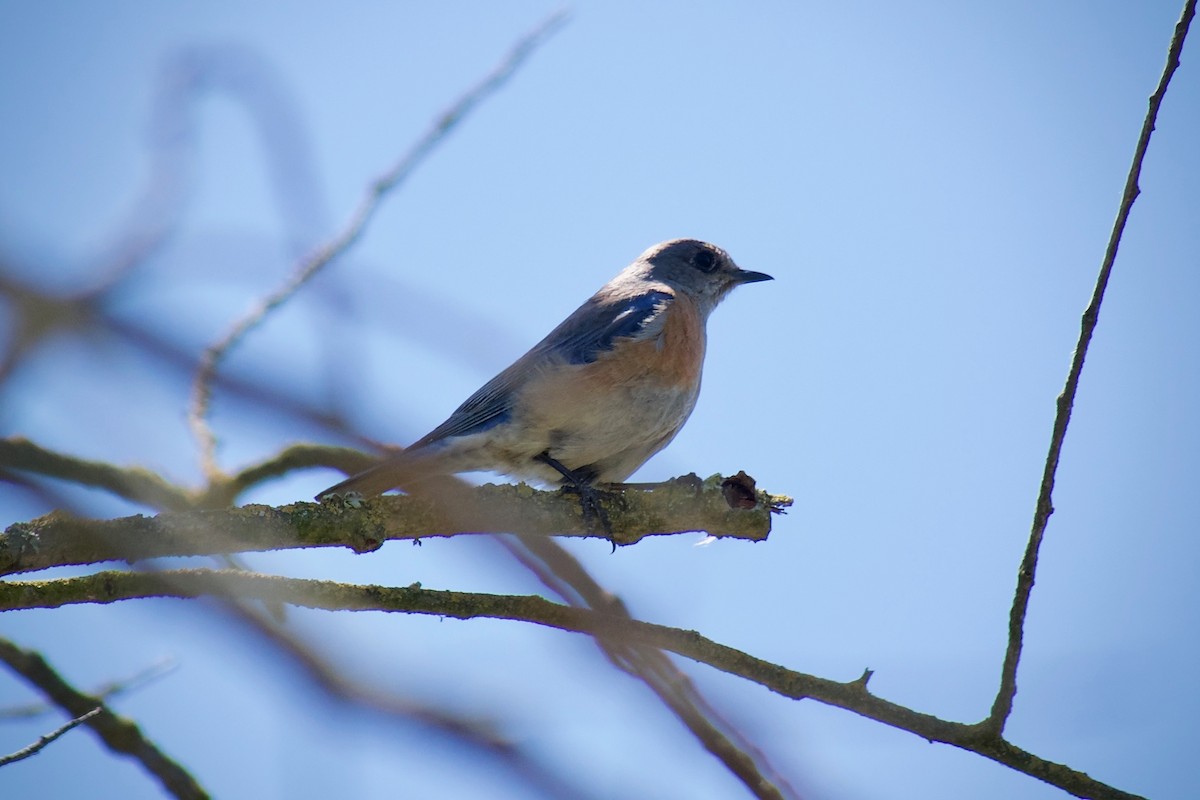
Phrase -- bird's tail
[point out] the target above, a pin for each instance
(373, 481)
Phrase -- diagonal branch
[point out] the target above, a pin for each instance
(562, 573)
(475, 733)
(343, 241)
(133, 483)
(1002, 706)
(43, 741)
(140, 485)
(854, 696)
(118, 734)
(104, 691)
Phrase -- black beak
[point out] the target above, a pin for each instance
(746, 276)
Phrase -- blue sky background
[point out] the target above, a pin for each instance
(931, 183)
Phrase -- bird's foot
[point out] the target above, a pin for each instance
(590, 498)
(595, 517)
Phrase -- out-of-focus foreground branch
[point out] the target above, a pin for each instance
(118, 734)
(88, 315)
(564, 575)
(211, 360)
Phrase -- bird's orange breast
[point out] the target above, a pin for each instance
(668, 363)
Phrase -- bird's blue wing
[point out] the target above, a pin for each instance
(593, 329)
(581, 341)
(488, 407)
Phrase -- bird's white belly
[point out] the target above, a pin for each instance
(615, 430)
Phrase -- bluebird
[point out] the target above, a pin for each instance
(603, 392)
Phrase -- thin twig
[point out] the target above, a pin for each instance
(118, 734)
(562, 573)
(36, 747)
(292, 458)
(312, 264)
(105, 691)
(1002, 706)
(132, 483)
(475, 733)
(854, 696)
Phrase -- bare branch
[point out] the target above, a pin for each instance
(475, 733)
(1002, 706)
(59, 539)
(343, 241)
(36, 747)
(562, 573)
(295, 457)
(103, 692)
(118, 734)
(132, 483)
(140, 485)
(38, 314)
(108, 587)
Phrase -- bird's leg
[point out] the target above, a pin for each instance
(589, 496)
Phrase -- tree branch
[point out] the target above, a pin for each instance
(295, 457)
(103, 692)
(344, 240)
(132, 483)
(475, 733)
(118, 734)
(108, 587)
(1002, 706)
(58, 539)
(140, 485)
(40, 744)
(562, 573)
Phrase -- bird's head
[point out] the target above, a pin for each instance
(703, 271)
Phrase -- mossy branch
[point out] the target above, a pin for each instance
(119, 734)
(853, 695)
(142, 486)
(59, 539)
(133, 483)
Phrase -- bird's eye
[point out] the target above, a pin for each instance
(705, 261)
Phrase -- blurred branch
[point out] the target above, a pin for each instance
(103, 692)
(36, 747)
(295, 457)
(132, 483)
(475, 733)
(36, 317)
(140, 485)
(648, 664)
(118, 734)
(343, 241)
(160, 202)
(1002, 706)
(93, 309)
(677, 692)
(979, 738)
(49, 496)
(59, 540)
(562, 573)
